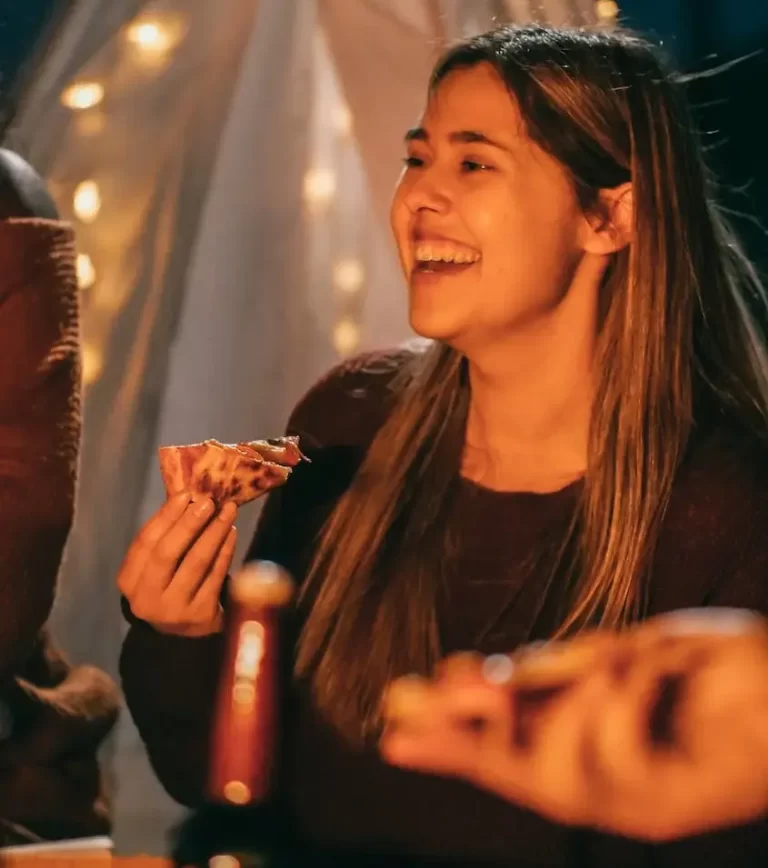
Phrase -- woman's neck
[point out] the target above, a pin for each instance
(529, 413)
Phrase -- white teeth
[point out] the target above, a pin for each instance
(445, 252)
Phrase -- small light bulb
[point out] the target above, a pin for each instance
(87, 201)
(86, 273)
(93, 363)
(349, 276)
(319, 188)
(149, 36)
(83, 95)
(346, 337)
(155, 37)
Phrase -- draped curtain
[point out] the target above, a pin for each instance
(228, 168)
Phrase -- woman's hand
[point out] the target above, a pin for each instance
(657, 733)
(174, 569)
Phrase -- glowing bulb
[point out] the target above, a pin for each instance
(154, 38)
(83, 95)
(349, 276)
(607, 10)
(87, 201)
(319, 188)
(342, 119)
(93, 363)
(346, 337)
(149, 36)
(86, 273)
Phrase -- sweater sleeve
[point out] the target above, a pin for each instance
(170, 682)
(39, 423)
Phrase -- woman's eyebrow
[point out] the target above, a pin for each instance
(419, 134)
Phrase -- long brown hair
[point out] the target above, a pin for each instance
(677, 337)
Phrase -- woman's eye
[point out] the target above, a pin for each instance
(474, 166)
(413, 162)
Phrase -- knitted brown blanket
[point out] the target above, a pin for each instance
(52, 716)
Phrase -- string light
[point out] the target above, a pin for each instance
(86, 273)
(349, 276)
(93, 363)
(149, 36)
(83, 95)
(607, 10)
(319, 188)
(346, 336)
(87, 201)
(154, 38)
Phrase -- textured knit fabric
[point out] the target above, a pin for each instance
(52, 716)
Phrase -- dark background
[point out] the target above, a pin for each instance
(731, 107)
(26, 28)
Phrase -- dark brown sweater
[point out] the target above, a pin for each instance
(713, 550)
(53, 716)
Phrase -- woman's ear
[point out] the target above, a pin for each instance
(611, 225)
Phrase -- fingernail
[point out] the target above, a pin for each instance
(202, 507)
(228, 512)
(498, 669)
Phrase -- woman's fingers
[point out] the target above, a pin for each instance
(173, 545)
(148, 537)
(519, 740)
(205, 610)
(174, 570)
(445, 727)
(193, 572)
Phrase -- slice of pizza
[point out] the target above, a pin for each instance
(239, 472)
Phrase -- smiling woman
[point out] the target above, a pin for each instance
(580, 441)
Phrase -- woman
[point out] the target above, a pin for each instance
(581, 442)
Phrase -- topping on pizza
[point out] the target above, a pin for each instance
(239, 472)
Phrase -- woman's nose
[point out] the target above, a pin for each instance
(428, 193)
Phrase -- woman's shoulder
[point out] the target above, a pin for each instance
(348, 405)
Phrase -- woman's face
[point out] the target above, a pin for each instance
(488, 226)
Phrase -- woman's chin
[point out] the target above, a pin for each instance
(434, 325)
